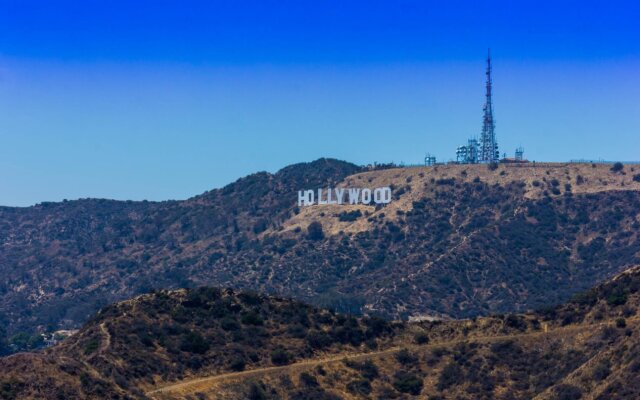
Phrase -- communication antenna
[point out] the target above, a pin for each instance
(488, 144)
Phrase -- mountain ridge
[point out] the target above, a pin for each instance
(196, 343)
(456, 240)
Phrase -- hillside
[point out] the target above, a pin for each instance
(172, 335)
(456, 241)
(220, 344)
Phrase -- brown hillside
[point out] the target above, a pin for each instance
(219, 344)
(457, 241)
(420, 182)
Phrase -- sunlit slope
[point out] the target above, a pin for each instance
(456, 241)
(210, 343)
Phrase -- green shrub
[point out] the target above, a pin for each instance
(256, 392)
(406, 358)
(308, 380)
(601, 371)
(250, 298)
(567, 392)
(314, 231)
(617, 299)
(587, 298)
(360, 387)
(297, 331)
(319, 339)
(451, 375)
(229, 324)
(367, 369)
(91, 346)
(349, 216)
(251, 318)
(617, 167)
(421, 338)
(513, 321)
(193, 342)
(237, 363)
(9, 389)
(25, 342)
(407, 382)
(446, 181)
(280, 356)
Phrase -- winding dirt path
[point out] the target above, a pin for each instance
(204, 384)
(107, 338)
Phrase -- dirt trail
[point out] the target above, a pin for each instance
(574, 376)
(107, 338)
(203, 384)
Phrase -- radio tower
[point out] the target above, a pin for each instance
(488, 144)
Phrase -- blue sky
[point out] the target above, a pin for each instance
(164, 100)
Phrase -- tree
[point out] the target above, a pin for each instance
(617, 167)
(314, 231)
(25, 342)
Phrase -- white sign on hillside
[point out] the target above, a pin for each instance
(344, 196)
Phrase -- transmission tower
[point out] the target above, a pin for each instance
(488, 144)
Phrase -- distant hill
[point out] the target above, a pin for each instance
(209, 343)
(456, 241)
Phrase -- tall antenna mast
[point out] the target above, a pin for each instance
(488, 144)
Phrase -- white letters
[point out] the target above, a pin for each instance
(339, 195)
(382, 195)
(354, 195)
(320, 201)
(305, 198)
(365, 196)
(329, 201)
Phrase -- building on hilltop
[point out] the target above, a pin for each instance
(520, 153)
(468, 154)
(429, 160)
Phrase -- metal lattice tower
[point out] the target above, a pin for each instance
(488, 151)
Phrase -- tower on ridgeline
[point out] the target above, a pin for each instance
(488, 146)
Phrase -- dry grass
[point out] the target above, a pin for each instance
(419, 182)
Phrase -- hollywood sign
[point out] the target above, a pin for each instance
(344, 196)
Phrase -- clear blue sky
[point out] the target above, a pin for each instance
(164, 100)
